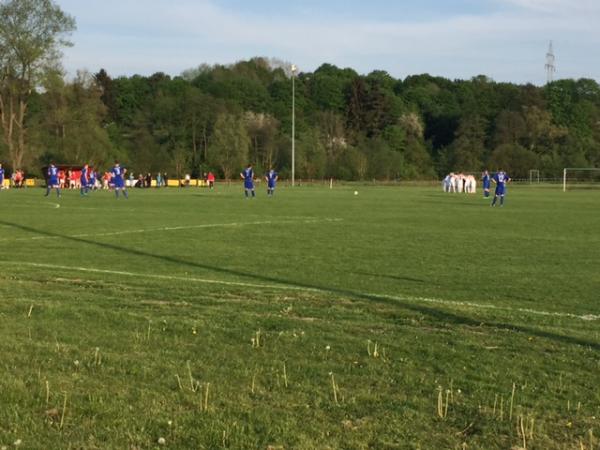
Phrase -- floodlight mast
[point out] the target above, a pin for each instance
(294, 70)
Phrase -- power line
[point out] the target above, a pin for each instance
(550, 67)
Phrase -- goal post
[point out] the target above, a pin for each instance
(592, 175)
(534, 176)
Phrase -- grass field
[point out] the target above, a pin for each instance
(400, 318)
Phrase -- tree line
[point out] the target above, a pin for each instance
(219, 118)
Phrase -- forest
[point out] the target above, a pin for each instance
(348, 125)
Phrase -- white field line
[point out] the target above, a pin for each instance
(283, 286)
(178, 228)
(50, 204)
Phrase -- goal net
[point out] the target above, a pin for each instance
(534, 176)
(581, 178)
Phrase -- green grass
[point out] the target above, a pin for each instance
(128, 312)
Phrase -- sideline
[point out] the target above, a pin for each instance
(472, 305)
(177, 228)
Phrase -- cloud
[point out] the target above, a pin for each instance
(557, 6)
(507, 44)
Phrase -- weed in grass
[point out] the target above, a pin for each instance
(194, 384)
(512, 398)
(253, 384)
(257, 339)
(375, 351)
(97, 357)
(64, 412)
(285, 378)
(335, 388)
(206, 391)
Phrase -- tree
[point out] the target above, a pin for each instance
(230, 143)
(32, 33)
(469, 146)
(262, 130)
(513, 158)
(311, 156)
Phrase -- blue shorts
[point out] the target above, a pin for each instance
(500, 190)
(271, 186)
(119, 183)
(248, 185)
(52, 181)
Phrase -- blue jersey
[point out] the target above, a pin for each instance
(117, 173)
(248, 174)
(486, 181)
(501, 178)
(53, 175)
(1, 175)
(84, 177)
(271, 178)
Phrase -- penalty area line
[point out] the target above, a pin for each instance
(284, 286)
(162, 277)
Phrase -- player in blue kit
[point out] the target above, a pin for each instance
(118, 179)
(271, 178)
(52, 180)
(92, 182)
(500, 179)
(248, 177)
(1, 177)
(485, 178)
(84, 180)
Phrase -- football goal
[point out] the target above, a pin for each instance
(534, 176)
(581, 177)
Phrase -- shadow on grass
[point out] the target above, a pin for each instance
(391, 277)
(438, 314)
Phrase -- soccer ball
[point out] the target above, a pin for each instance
(355, 192)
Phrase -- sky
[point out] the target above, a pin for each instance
(506, 40)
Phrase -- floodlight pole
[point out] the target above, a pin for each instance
(294, 68)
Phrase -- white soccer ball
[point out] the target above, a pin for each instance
(355, 192)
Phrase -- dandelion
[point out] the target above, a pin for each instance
(17, 442)
(170, 422)
(328, 347)
(161, 441)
